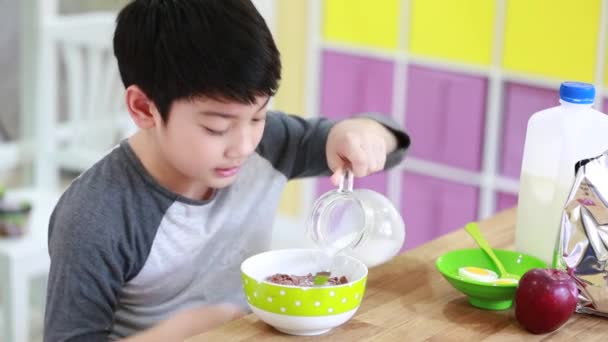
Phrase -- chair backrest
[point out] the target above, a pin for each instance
(92, 117)
(10, 155)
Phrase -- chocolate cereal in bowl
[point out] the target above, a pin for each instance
(281, 291)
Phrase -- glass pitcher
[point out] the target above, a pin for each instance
(361, 223)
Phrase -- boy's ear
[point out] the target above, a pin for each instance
(143, 110)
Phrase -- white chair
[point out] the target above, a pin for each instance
(96, 118)
(91, 125)
(26, 257)
(21, 260)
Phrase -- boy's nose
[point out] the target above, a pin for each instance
(242, 146)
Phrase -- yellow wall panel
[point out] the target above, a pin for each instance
(371, 23)
(459, 30)
(291, 38)
(555, 38)
(291, 201)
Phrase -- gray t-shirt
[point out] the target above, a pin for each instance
(127, 253)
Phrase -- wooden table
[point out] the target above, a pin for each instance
(408, 300)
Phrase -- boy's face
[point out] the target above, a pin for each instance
(207, 140)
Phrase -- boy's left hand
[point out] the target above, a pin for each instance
(361, 144)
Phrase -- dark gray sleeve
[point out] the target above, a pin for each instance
(296, 146)
(87, 271)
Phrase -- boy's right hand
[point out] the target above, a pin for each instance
(211, 316)
(361, 144)
(189, 323)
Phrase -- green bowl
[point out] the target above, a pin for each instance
(300, 310)
(486, 295)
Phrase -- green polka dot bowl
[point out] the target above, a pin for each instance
(298, 310)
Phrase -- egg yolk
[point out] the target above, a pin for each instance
(479, 271)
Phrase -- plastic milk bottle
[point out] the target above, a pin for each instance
(556, 139)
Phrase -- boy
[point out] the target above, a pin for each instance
(147, 243)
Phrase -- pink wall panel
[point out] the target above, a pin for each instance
(520, 102)
(505, 201)
(445, 116)
(352, 85)
(432, 207)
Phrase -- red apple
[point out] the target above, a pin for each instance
(545, 299)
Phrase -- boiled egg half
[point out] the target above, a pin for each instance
(478, 274)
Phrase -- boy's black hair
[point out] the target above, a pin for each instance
(184, 49)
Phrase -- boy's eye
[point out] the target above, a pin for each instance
(214, 132)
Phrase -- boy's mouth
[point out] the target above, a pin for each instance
(227, 172)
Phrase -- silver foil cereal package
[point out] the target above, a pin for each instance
(582, 246)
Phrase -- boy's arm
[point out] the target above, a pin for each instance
(81, 298)
(89, 267)
(297, 147)
(188, 323)
(84, 279)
